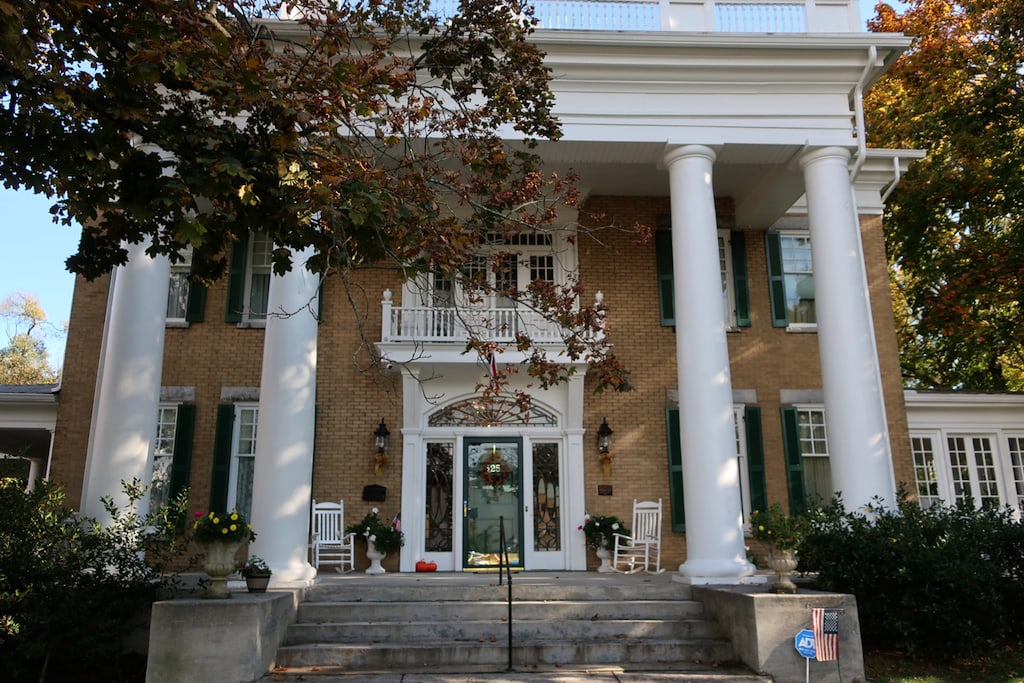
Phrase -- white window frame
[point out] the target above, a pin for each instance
(740, 426)
(162, 456)
(788, 272)
(814, 447)
(258, 270)
(178, 290)
(728, 279)
(964, 449)
(243, 457)
(927, 469)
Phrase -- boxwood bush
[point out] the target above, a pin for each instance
(942, 581)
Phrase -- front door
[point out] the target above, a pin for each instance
(492, 499)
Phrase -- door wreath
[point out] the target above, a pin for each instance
(494, 471)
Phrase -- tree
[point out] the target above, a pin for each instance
(372, 132)
(25, 359)
(955, 225)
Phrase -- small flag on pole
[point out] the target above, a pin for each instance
(492, 369)
(825, 625)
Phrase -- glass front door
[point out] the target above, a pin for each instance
(493, 485)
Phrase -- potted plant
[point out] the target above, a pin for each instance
(256, 573)
(220, 534)
(600, 533)
(381, 538)
(782, 534)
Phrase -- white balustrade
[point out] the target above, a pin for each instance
(422, 324)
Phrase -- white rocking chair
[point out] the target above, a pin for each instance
(642, 549)
(329, 542)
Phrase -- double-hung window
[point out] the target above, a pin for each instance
(185, 300)
(805, 441)
(732, 267)
(172, 453)
(791, 275)
(234, 458)
(249, 273)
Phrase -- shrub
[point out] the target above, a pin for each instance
(386, 536)
(943, 581)
(72, 590)
(600, 531)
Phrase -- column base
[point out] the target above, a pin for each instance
(718, 572)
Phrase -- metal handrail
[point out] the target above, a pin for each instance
(505, 570)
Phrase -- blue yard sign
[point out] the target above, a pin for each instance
(804, 643)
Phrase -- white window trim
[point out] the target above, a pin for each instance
(792, 326)
(251, 270)
(742, 462)
(728, 279)
(163, 409)
(236, 454)
(180, 270)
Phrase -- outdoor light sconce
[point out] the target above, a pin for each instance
(381, 436)
(604, 442)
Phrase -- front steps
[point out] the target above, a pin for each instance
(588, 625)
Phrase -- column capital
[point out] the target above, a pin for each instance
(813, 156)
(678, 152)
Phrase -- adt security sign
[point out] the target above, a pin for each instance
(804, 642)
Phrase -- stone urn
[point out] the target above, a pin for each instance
(219, 563)
(605, 555)
(782, 562)
(375, 556)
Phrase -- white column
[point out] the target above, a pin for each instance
(858, 438)
(283, 476)
(714, 533)
(128, 388)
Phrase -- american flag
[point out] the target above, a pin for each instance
(825, 625)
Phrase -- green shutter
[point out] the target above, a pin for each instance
(666, 282)
(741, 290)
(181, 461)
(195, 308)
(675, 470)
(776, 280)
(756, 477)
(236, 279)
(794, 461)
(220, 479)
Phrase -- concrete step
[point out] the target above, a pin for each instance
(482, 592)
(465, 630)
(343, 612)
(622, 651)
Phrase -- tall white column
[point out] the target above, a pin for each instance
(714, 532)
(858, 438)
(283, 475)
(128, 388)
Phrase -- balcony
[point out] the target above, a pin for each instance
(701, 16)
(430, 325)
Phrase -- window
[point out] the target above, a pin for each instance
(185, 300)
(177, 293)
(249, 273)
(926, 479)
(973, 470)
(805, 441)
(955, 466)
(791, 275)
(732, 266)
(172, 453)
(163, 457)
(749, 460)
(234, 458)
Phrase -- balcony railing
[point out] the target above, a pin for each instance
(422, 324)
(725, 16)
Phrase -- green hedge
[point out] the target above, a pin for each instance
(943, 581)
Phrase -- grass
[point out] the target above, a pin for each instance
(1003, 665)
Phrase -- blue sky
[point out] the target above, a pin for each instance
(34, 250)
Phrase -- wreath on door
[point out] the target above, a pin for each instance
(494, 471)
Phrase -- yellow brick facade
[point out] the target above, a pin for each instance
(353, 394)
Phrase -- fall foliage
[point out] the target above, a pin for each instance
(955, 226)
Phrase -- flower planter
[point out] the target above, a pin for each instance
(257, 583)
(375, 556)
(605, 555)
(219, 563)
(782, 562)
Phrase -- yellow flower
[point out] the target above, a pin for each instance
(234, 527)
(216, 521)
(234, 516)
(760, 528)
(212, 516)
(223, 531)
